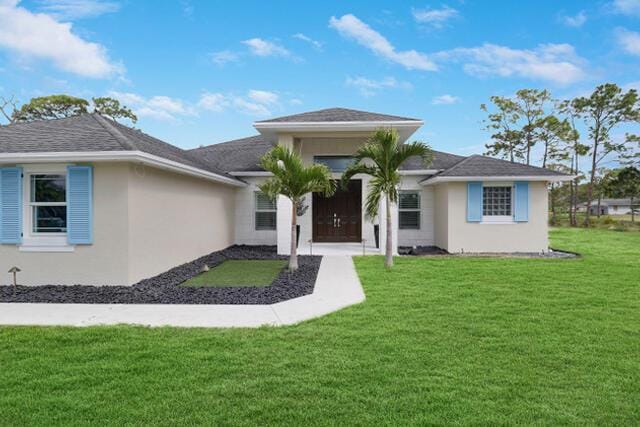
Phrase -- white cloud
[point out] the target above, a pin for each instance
(314, 43)
(296, 101)
(369, 87)
(255, 103)
(263, 97)
(575, 21)
(627, 7)
(556, 63)
(157, 107)
(261, 47)
(77, 9)
(445, 100)
(224, 56)
(216, 102)
(251, 108)
(628, 40)
(351, 27)
(40, 36)
(436, 18)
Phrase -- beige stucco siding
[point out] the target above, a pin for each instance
(105, 262)
(425, 235)
(530, 236)
(245, 225)
(174, 219)
(441, 215)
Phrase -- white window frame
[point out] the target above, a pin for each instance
(40, 242)
(498, 219)
(418, 209)
(256, 210)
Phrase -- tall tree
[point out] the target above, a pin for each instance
(607, 107)
(553, 132)
(627, 184)
(292, 179)
(506, 139)
(516, 122)
(61, 106)
(8, 106)
(51, 107)
(381, 158)
(531, 105)
(558, 192)
(112, 108)
(575, 149)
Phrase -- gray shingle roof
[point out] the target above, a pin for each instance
(441, 160)
(337, 115)
(90, 132)
(239, 155)
(488, 166)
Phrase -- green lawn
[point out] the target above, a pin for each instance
(239, 272)
(438, 341)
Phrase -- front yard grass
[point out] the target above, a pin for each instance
(239, 272)
(438, 341)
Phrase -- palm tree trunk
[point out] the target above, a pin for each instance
(388, 259)
(293, 259)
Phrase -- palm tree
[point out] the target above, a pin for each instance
(381, 158)
(292, 179)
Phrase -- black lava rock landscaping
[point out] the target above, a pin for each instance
(165, 289)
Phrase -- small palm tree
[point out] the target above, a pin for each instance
(292, 179)
(381, 158)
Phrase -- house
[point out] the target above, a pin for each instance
(88, 200)
(610, 207)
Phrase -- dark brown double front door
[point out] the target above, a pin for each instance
(338, 218)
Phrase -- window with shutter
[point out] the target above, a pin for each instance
(265, 212)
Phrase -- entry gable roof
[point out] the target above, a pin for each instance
(338, 115)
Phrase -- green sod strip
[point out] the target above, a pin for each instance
(258, 273)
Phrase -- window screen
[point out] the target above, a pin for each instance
(409, 210)
(265, 212)
(48, 203)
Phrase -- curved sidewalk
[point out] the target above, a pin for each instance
(337, 287)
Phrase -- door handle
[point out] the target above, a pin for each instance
(338, 222)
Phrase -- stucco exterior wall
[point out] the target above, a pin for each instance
(425, 235)
(441, 215)
(174, 219)
(105, 262)
(530, 236)
(245, 226)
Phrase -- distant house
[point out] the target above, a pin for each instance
(610, 207)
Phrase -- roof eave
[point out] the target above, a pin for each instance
(126, 156)
(270, 129)
(534, 178)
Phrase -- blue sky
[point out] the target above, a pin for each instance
(198, 73)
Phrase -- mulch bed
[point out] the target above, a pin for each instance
(165, 289)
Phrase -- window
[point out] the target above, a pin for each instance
(265, 212)
(497, 202)
(409, 210)
(334, 163)
(48, 204)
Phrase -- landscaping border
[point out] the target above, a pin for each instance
(165, 288)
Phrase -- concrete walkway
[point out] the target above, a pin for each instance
(337, 287)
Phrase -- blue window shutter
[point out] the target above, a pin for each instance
(11, 206)
(474, 201)
(521, 211)
(79, 205)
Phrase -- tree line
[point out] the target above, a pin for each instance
(567, 131)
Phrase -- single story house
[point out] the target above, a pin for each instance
(611, 207)
(88, 200)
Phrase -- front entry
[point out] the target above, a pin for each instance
(338, 218)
